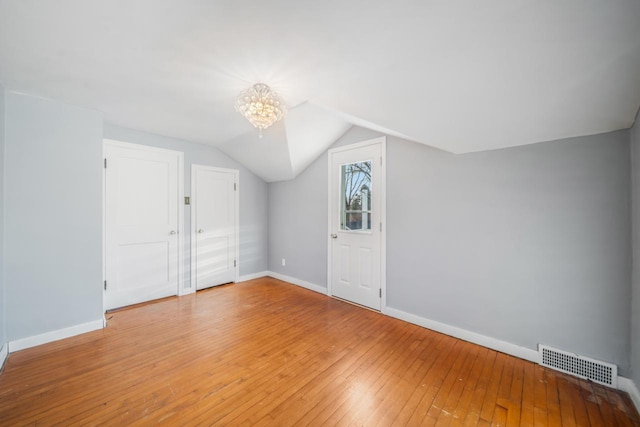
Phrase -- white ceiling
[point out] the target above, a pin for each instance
(458, 75)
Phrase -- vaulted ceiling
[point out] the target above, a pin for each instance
(461, 76)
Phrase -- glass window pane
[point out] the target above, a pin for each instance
(353, 221)
(355, 204)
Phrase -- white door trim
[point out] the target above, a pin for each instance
(382, 141)
(128, 145)
(236, 196)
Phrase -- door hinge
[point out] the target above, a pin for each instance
(380, 226)
(234, 262)
(105, 285)
(380, 160)
(380, 293)
(105, 163)
(234, 186)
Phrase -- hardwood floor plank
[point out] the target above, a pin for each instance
(265, 352)
(515, 397)
(460, 407)
(553, 401)
(540, 418)
(587, 394)
(395, 393)
(262, 378)
(528, 400)
(450, 399)
(578, 402)
(371, 398)
(434, 385)
(504, 391)
(566, 404)
(314, 392)
(491, 395)
(440, 357)
(620, 410)
(472, 417)
(499, 417)
(397, 398)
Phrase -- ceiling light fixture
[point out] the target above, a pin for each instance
(261, 106)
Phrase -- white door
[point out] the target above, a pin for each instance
(214, 225)
(142, 220)
(356, 213)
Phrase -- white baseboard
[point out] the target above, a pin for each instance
(301, 283)
(4, 352)
(463, 334)
(625, 384)
(252, 276)
(59, 334)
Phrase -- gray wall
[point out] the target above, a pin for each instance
(3, 322)
(53, 215)
(253, 195)
(635, 283)
(298, 218)
(527, 245)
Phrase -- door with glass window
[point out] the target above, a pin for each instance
(356, 223)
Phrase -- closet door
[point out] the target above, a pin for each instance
(142, 223)
(214, 224)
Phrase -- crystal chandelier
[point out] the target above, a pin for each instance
(261, 106)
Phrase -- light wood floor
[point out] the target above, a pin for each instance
(266, 352)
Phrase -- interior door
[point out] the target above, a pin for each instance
(214, 225)
(356, 190)
(141, 223)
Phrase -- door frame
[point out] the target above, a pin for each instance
(382, 141)
(131, 146)
(236, 205)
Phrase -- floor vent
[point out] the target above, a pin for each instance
(580, 366)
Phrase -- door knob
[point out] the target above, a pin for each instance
(334, 236)
(200, 231)
(172, 232)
